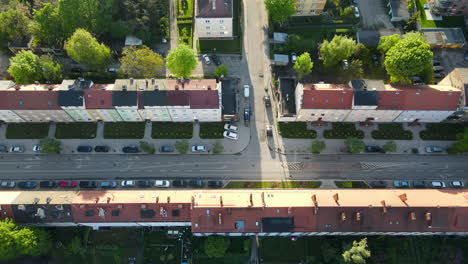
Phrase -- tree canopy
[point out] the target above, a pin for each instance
(318, 146)
(51, 70)
(354, 145)
(387, 42)
(357, 253)
(18, 241)
(221, 70)
(461, 145)
(181, 61)
(25, 67)
(338, 49)
(14, 23)
(50, 146)
(47, 25)
(216, 246)
(141, 63)
(85, 49)
(303, 65)
(280, 10)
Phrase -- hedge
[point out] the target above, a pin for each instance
(172, 130)
(211, 130)
(342, 131)
(295, 130)
(351, 184)
(442, 131)
(124, 130)
(76, 130)
(27, 130)
(392, 131)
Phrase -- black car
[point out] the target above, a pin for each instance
(84, 149)
(267, 100)
(27, 185)
(216, 60)
(166, 149)
(373, 149)
(419, 184)
(88, 184)
(144, 183)
(378, 184)
(101, 149)
(130, 149)
(179, 183)
(3, 148)
(47, 184)
(196, 183)
(215, 184)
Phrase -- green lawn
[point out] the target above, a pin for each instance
(351, 184)
(446, 22)
(273, 184)
(442, 131)
(172, 130)
(75, 130)
(211, 130)
(124, 130)
(392, 131)
(27, 130)
(295, 130)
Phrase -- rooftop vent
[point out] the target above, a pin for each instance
(36, 200)
(336, 198)
(221, 201)
(251, 200)
(109, 199)
(48, 200)
(96, 200)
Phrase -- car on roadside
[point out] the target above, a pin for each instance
(179, 183)
(196, 183)
(269, 130)
(48, 184)
(215, 184)
(206, 59)
(356, 12)
(246, 90)
(130, 149)
(246, 114)
(373, 149)
(293, 57)
(231, 135)
(166, 149)
(108, 184)
(419, 184)
(401, 184)
(17, 149)
(230, 127)
(438, 184)
(36, 148)
(67, 184)
(101, 149)
(27, 185)
(216, 60)
(456, 184)
(199, 148)
(433, 149)
(438, 68)
(128, 183)
(144, 183)
(162, 183)
(378, 184)
(7, 184)
(88, 184)
(84, 149)
(267, 100)
(3, 148)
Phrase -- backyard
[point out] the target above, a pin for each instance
(446, 22)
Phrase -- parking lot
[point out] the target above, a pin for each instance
(233, 63)
(449, 60)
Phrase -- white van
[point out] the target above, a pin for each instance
(246, 90)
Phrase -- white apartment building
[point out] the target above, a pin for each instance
(213, 18)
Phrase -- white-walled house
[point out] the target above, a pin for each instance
(213, 18)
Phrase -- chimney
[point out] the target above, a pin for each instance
(96, 200)
(221, 201)
(251, 200)
(131, 81)
(168, 199)
(314, 200)
(192, 203)
(343, 216)
(263, 200)
(146, 84)
(48, 200)
(124, 87)
(157, 199)
(384, 206)
(108, 199)
(152, 81)
(335, 197)
(403, 198)
(413, 216)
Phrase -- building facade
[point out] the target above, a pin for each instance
(309, 7)
(214, 18)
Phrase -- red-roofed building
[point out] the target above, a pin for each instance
(98, 103)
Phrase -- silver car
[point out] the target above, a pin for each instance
(17, 149)
(7, 184)
(128, 183)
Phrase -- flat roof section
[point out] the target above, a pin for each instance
(228, 97)
(287, 88)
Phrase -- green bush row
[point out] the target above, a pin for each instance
(172, 130)
(124, 130)
(392, 131)
(442, 131)
(27, 130)
(295, 130)
(76, 130)
(342, 131)
(211, 130)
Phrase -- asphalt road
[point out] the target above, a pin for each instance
(233, 167)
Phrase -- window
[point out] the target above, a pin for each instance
(312, 12)
(298, 12)
(221, 21)
(207, 21)
(208, 28)
(300, 6)
(221, 33)
(314, 6)
(208, 33)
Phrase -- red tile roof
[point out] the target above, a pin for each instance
(178, 98)
(98, 99)
(327, 97)
(29, 100)
(204, 99)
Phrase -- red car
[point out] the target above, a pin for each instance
(67, 184)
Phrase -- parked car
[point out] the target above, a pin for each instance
(246, 114)
(230, 127)
(199, 148)
(231, 135)
(419, 184)
(128, 183)
(439, 75)
(206, 59)
(215, 184)
(144, 183)
(162, 183)
(345, 64)
(456, 184)
(378, 184)
(269, 130)
(112, 69)
(166, 149)
(7, 184)
(293, 57)
(108, 184)
(373, 149)
(435, 62)
(196, 183)
(88, 184)
(433, 149)
(438, 184)
(130, 149)
(101, 149)
(356, 12)
(246, 90)
(179, 183)
(3, 148)
(27, 185)
(17, 149)
(84, 149)
(438, 68)
(67, 184)
(216, 60)
(401, 184)
(267, 100)
(36, 148)
(47, 184)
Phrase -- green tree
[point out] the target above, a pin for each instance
(409, 57)
(461, 145)
(18, 241)
(77, 14)
(14, 23)
(303, 65)
(354, 145)
(147, 147)
(216, 246)
(357, 253)
(318, 146)
(280, 10)
(218, 147)
(25, 67)
(181, 61)
(182, 146)
(221, 70)
(387, 42)
(361, 52)
(390, 146)
(355, 69)
(347, 11)
(141, 63)
(85, 49)
(51, 70)
(338, 49)
(50, 146)
(47, 26)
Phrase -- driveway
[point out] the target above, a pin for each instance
(374, 14)
(450, 59)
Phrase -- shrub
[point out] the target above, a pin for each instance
(218, 147)
(147, 147)
(295, 130)
(172, 130)
(392, 131)
(76, 130)
(442, 131)
(390, 146)
(318, 146)
(182, 146)
(124, 130)
(27, 130)
(211, 130)
(50, 146)
(342, 131)
(354, 145)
